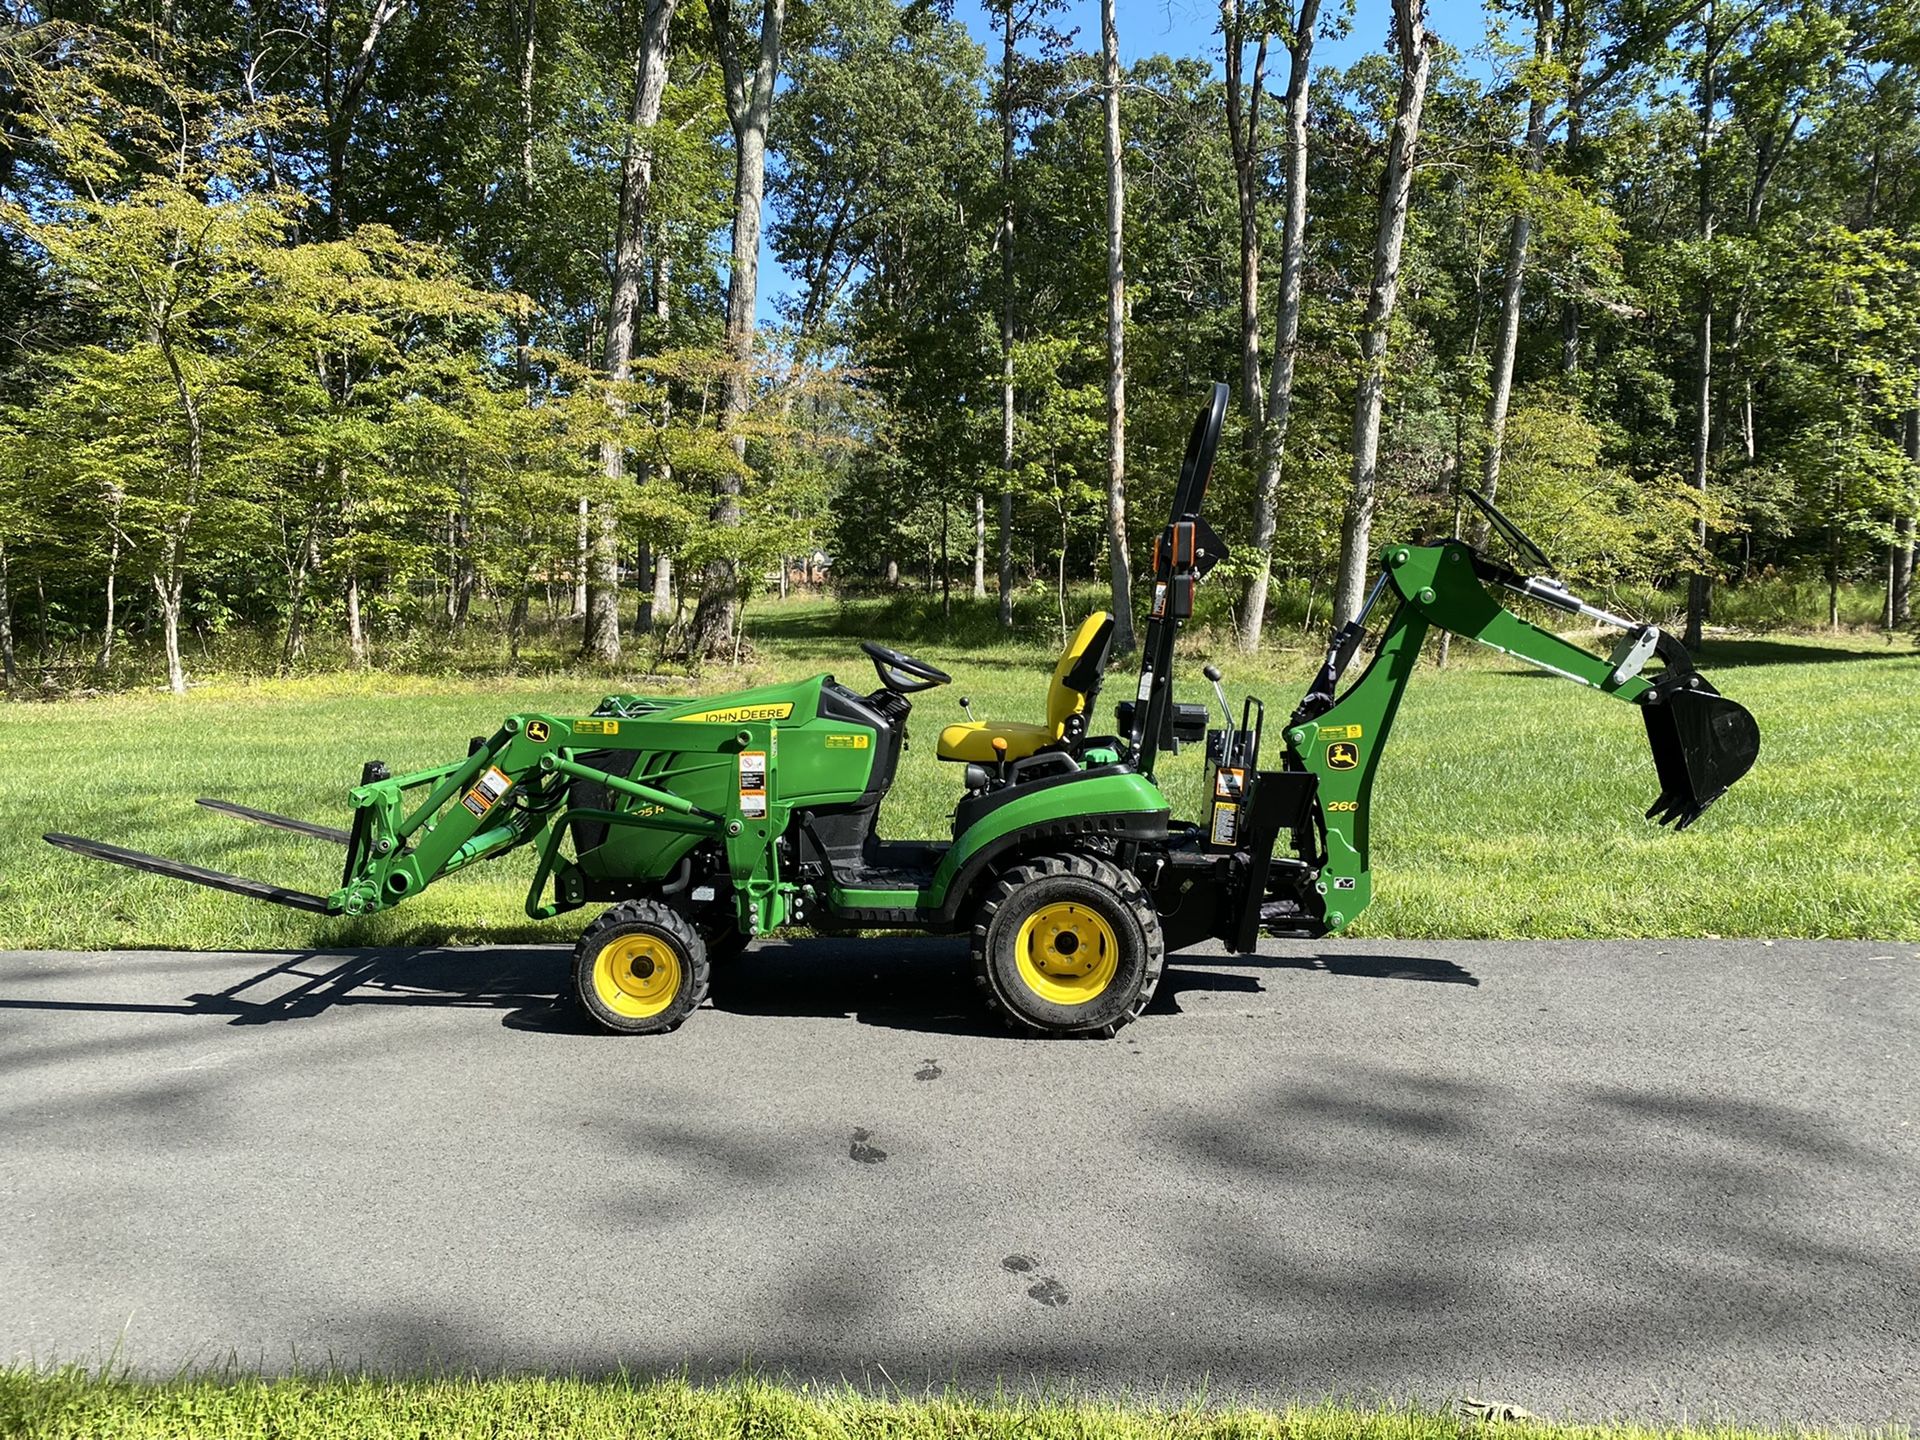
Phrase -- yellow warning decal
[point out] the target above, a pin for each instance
(596, 727)
(753, 784)
(846, 742)
(743, 714)
(488, 789)
(1340, 732)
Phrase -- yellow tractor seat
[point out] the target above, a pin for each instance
(1075, 679)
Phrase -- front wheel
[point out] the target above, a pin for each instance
(1068, 945)
(640, 969)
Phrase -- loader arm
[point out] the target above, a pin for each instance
(512, 790)
(1701, 742)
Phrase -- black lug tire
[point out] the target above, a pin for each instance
(661, 922)
(1116, 895)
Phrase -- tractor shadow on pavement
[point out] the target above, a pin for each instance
(912, 983)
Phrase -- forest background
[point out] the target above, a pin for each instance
(356, 333)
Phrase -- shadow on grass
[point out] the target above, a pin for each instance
(1739, 652)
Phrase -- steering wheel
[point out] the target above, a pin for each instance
(1196, 466)
(897, 671)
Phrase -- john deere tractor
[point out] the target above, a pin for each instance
(703, 825)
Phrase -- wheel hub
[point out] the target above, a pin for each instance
(1066, 952)
(637, 975)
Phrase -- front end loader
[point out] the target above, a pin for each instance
(702, 825)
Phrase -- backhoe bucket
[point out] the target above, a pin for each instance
(1702, 743)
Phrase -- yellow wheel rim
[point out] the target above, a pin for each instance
(636, 975)
(1066, 953)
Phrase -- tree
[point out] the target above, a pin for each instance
(1277, 412)
(749, 104)
(1414, 44)
(600, 638)
(1117, 557)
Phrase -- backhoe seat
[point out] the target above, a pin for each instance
(1075, 680)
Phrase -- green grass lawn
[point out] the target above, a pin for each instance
(1508, 803)
(68, 1405)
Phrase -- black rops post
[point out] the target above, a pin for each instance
(1182, 555)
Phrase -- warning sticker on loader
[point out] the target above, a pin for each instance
(1230, 783)
(1226, 824)
(1339, 732)
(753, 784)
(490, 787)
(596, 727)
(1342, 755)
(846, 742)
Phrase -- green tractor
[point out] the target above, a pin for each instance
(702, 825)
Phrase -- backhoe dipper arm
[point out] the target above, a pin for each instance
(1701, 741)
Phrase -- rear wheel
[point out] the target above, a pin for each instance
(1068, 945)
(640, 969)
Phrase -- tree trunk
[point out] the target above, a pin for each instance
(168, 587)
(979, 546)
(1697, 583)
(1501, 393)
(1243, 135)
(749, 106)
(658, 569)
(1415, 45)
(582, 544)
(528, 36)
(1119, 561)
(946, 567)
(171, 581)
(103, 661)
(1007, 58)
(1573, 60)
(356, 630)
(9, 668)
(1903, 529)
(600, 638)
(341, 96)
(306, 561)
(1286, 333)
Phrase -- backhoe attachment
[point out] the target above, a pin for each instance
(1702, 742)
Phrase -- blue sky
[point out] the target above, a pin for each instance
(1188, 27)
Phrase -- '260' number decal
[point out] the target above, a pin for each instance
(1343, 805)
